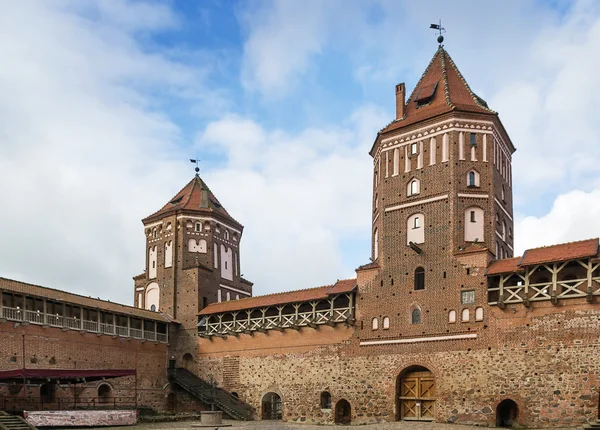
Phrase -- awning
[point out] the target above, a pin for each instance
(72, 375)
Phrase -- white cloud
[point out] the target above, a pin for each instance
(83, 151)
(299, 196)
(574, 216)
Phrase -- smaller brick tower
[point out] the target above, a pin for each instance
(192, 259)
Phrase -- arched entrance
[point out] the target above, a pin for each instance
(506, 413)
(188, 361)
(415, 392)
(172, 403)
(271, 407)
(343, 412)
(104, 393)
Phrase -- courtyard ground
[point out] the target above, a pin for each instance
(277, 425)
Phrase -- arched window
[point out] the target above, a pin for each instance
(325, 400)
(452, 316)
(154, 233)
(228, 296)
(414, 187)
(416, 316)
(386, 323)
(419, 278)
(479, 314)
(414, 229)
(473, 179)
(375, 324)
(227, 234)
(466, 315)
(152, 296)
(375, 244)
(396, 167)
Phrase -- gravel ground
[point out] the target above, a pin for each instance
(275, 425)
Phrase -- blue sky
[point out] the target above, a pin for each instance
(104, 102)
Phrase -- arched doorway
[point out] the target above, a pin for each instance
(172, 403)
(343, 412)
(188, 361)
(104, 393)
(415, 392)
(506, 413)
(271, 407)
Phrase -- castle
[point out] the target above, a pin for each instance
(443, 324)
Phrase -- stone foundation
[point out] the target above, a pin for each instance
(81, 418)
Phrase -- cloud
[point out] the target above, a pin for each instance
(574, 216)
(300, 196)
(84, 148)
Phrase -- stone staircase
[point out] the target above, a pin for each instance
(14, 422)
(594, 425)
(210, 395)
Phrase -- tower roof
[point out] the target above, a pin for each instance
(195, 197)
(441, 89)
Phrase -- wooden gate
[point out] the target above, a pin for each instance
(417, 396)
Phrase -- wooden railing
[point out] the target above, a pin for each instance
(581, 282)
(234, 323)
(40, 318)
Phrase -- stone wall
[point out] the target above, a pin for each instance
(544, 358)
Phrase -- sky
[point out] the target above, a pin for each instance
(105, 101)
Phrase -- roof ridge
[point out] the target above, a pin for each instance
(566, 243)
(445, 77)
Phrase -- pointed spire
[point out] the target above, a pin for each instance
(440, 89)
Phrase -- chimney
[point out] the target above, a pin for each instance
(400, 96)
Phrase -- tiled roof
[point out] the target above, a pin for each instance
(562, 252)
(190, 199)
(373, 265)
(441, 89)
(546, 254)
(318, 293)
(472, 248)
(76, 299)
(506, 265)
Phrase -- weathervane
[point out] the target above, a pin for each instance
(441, 29)
(197, 161)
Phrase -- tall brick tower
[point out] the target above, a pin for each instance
(192, 258)
(442, 208)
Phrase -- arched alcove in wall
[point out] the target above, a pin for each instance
(152, 296)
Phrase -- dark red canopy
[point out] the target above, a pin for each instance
(65, 374)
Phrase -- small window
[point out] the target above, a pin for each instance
(479, 314)
(198, 226)
(413, 148)
(467, 297)
(416, 316)
(466, 315)
(452, 317)
(413, 188)
(154, 233)
(473, 139)
(375, 324)
(153, 308)
(471, 179)
(473, 216)
(417, 222)
(386, 323)
(227, 234)
(419, 278)
(325, 400)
